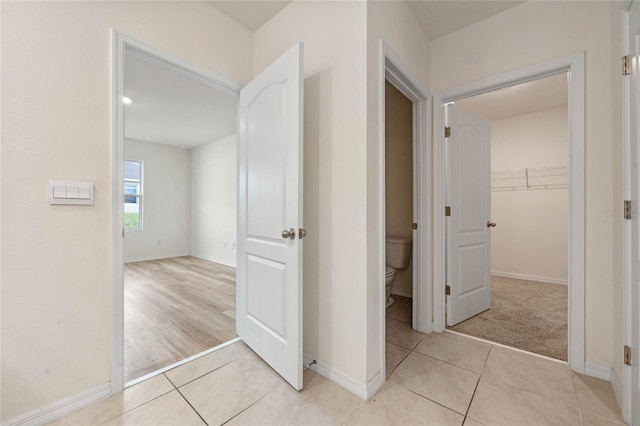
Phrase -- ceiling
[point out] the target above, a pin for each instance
(437, 17)
(175, 108)
(538, 95)
(250, 13)
(172, 107)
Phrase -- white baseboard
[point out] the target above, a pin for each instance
(374, 385)
(216, 260)
(363, 390)
(598, 371)
(155, 257)
(170, 255)
(529, 277)
(61, 408)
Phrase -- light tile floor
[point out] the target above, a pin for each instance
(436, 379)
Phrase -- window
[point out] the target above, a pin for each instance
(132, 195)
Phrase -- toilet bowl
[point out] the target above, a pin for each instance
(390, 274)
(398, 251)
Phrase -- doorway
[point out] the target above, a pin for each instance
(399, 208)
(415, 310)
(523, 303)
(179, 207)
(269, 123)
(573, 65)
(169, 117)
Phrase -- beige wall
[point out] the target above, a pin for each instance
(531, 239)
(214, 179)
(393, 22)
(166, 202)
(333, 34)
(56, 271)
(535, 32)
(399, 176)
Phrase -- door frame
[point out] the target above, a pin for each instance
(627, 194)
(574, 66)
(120, 43)
(391, 68)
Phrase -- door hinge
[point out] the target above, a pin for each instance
(447, 131)
(447, 290)
(628, 211)
(447, 211)
(627, 355)
(626, 65)
(414, 226)
(122, 232)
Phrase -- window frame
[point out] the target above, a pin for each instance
(138, 196)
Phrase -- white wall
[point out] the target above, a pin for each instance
(166, 202)
(535, 32)
(393, 22)
(399, 177)
(213, 201)
(56, 260)
(335, 299)
(531, 236)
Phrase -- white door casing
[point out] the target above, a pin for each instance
(269, 274)
(631, 299)
(468, 194)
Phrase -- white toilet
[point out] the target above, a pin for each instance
(398, 252)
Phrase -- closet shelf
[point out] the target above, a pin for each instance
(530, 178)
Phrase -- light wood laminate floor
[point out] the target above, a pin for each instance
(175, 308)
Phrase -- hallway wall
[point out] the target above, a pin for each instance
(56, 260)
(535, 32)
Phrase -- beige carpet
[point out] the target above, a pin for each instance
(526, 315)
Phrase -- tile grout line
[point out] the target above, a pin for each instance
(167, 377)
(192, 407)
(466, 414)
(255, 402)
(208, 372)
(431, 400)
(398, 365)
(137, 406)
(449, 363)
(475, 389)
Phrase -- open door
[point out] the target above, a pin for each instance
(632, 333)
(269, 274)
(468, 196)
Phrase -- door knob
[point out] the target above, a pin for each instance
(289, 233)
(491, 224)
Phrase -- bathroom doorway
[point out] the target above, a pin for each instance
(406, 185)
(398, 204)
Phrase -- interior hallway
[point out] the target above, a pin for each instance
(436, 379)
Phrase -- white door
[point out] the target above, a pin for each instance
(633, 304)
(269, 274)
(468, 195)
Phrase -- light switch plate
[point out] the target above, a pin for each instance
(70, 192)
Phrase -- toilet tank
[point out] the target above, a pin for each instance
(398, 252)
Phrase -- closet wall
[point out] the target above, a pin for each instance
(530, 239)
